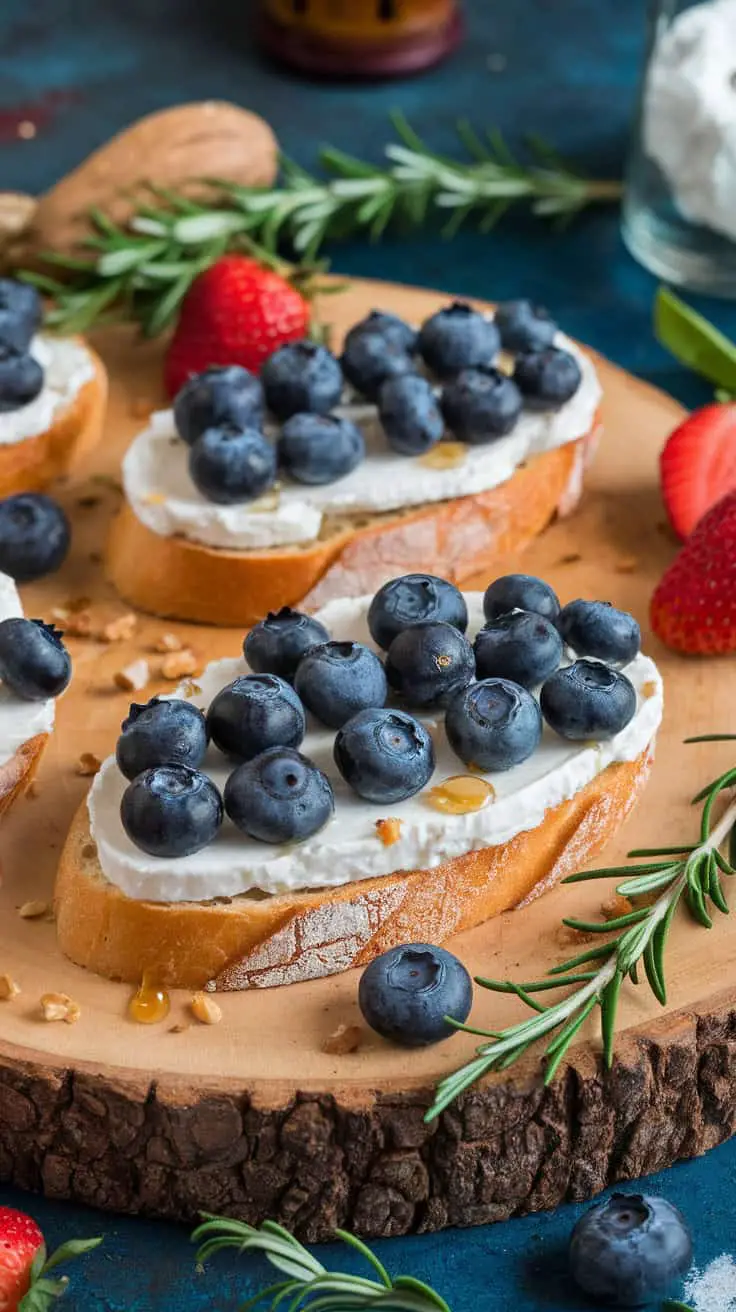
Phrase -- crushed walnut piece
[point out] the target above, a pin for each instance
(88, 765)
(8, 988)
(168, 642)
(35, 910)
(120, 629)
(80, 625)
(389, 831)
(206, 1010)
(346, 1039)
(133, 677)
(616, 906)
(179, 664)
(59, 1006)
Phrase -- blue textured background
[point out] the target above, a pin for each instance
(81, 70)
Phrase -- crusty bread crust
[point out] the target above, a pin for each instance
(250, 942)
(179, 579)
(31, 465)
(20, 770)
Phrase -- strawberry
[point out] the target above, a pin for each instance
(236, 312)
(693, 608)
(25, 1268)
(698, 465)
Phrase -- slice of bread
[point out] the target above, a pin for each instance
(179, 579)
(34, 463)
(259, 942)
(17, 773)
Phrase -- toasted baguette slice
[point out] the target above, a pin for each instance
(179, 579)
(32, 464)
(20, 770)
(256, 942)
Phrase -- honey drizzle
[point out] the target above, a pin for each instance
(149, 1004)
(445, 455)
(460, 794)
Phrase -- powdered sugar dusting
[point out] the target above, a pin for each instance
(714, 1288)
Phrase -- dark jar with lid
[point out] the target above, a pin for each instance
(359, 38)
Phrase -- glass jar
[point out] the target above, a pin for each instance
(359, 38)
(679, 213)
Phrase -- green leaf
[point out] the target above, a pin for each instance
(71, 1249)
(609, 1008)
(694, 341)
(656, 983)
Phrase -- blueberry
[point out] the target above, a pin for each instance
(163, 731)
(410, 599)
(34, 536)
(34, 663)
(630, 1249)
(456, 338)
(387, 325)
(338, 679)
(370, 359)
(520, 592)
(171, 810)
(21, 313)
(481, 404)
(319, 449)
(277, 644)
(493, 725)
(21, 379)
(524, 327)
(587, 700)
(385, 756)
(254, 712)
(279, 797)
(429, 663)
(407, 994)
(596, 628)
(301, 377)
(548, 378)
(230, 465)
(410, 414)
(521, 646)
(224, 394)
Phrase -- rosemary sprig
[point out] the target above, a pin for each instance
(689, 874)
(143, 270)
(308, 1284)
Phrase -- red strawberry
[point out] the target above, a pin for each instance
(693, 608)
(26, 1280)
(698, 465)
(236, 312)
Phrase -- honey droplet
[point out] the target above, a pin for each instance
(460, 794)
(149, 1004)
(445, 455)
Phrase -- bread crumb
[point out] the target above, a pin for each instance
(346, 1039)
(179, 664)
(626, 565)
(78, 626)
(133, 677)
(180, 1028)
(59, 1006)
(206, 1010)
(8, 988)
(571, 558)
(34, 910)
(88, 765)
(616, 906)
(168, 642)
(389, 831)
(120, 629)
(649, 688)
(60, 614)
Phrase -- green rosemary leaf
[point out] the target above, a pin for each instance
(694, 341)
(715, 889)
(471, 141)
(674, 1305)
(353, 1242)
(515, 1055)
(696, 904)
(562, 1041)
(606, 926)
(537, 985)
(634, 973)
(656, 983)
(591, 954)
(609, 1007)
(271, 1291)
(712, 738)
(722, 781)
(419, 1287)
(611, 872)
(528, 999)
(164, 310)
(660, 851)
(641, 884)
(472, 1029)
(732, 847)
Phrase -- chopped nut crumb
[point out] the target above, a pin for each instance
(615, 906)
(389, 831)
(88, 764)
(168, 642)
(571, 558)
(206, 1010)
(78, 626)
(121, 629)
(77, 604)
(179, 664)
(60, 614)
(180, 1028)
(191, 689)
(649, 688)
(8, 988)
(59, 1006)
(34, 910)
(627, 565)
(133, 677)
(346, 1039)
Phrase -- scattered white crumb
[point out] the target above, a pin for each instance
(714, 1289)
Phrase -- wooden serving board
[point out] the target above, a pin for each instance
(252, 1115)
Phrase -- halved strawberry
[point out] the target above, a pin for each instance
(693, 609)
(698, 465)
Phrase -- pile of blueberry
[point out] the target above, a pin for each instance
(21, 376)
(423, 383)
(384, 752)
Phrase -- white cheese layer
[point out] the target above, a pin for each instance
(348, 848)
(67, 366)
(164, 498)
(19, 720)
